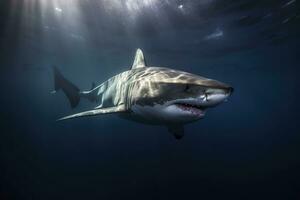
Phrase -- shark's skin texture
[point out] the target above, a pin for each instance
(150, 95)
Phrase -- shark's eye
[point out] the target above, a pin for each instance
(207, 93)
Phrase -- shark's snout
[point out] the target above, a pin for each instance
(215, 96)
(196, 106)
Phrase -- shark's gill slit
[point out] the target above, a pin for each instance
(187, 87)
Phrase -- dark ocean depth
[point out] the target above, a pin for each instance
(246, 148)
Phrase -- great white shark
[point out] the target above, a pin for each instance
(150, 95)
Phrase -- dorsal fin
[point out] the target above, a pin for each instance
(139, 60)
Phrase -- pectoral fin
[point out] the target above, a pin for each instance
(177, 131)
(116, 109)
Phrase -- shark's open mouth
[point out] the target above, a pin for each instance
(194, 109)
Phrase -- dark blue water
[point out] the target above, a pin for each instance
(247, 148)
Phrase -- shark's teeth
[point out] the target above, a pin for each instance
(190, 105)
(194, 109)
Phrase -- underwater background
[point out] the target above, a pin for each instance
(246, 148)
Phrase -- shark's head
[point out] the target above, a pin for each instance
(173, 96)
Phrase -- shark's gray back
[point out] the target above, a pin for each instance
(118, 89)
(129, 87)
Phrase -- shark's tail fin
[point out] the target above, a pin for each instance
(70, 90)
